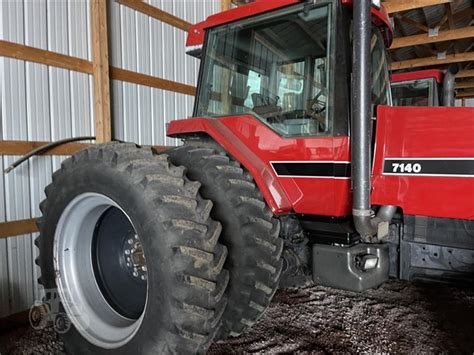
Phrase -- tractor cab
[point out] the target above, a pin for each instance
(289, 68)
(418, 88)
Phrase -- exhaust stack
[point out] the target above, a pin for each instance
(361, 116)
(366, 223)
(449, 85)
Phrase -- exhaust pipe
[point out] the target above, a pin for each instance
(366, 223)
(361, 115)
(449, 85)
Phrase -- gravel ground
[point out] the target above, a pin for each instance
(396, 318)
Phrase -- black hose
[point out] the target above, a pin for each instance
(43, 149)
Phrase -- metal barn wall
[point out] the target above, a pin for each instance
(41, 103)
(142, 44)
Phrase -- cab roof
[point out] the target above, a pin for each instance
(197, 31)
(417, 75)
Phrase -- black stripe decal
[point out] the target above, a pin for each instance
(313, 169)
(429, 167)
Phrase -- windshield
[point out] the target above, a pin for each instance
(415, 93)
(275, 69)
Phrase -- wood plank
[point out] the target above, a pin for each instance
(465, 73)
(156, 13)
(15, 228)
(151, 81)
(36, 55)
(451, 35)
(23, 147)
(392, 6)
(429, 61)
(414, 23)
(465, 94)
(226, 5)
(100, 66)
(465, 85)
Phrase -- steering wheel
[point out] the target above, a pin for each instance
(316, 105)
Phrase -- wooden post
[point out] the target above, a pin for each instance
(226, 5)
(100, 68)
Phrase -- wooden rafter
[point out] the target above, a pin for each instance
(430, 61)
(156, 13)
(412, 22)
(465, 94)
(393, 6)
(465, 85)
(424, 38)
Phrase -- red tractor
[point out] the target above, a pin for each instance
(294, 168)
(424, 87)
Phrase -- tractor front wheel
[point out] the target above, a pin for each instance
(127, 243)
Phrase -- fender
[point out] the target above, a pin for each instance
(264, 177)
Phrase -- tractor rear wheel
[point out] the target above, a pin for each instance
(127, 243)
(250, 232)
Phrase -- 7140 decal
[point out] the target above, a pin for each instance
(437, 167)
(406, 168)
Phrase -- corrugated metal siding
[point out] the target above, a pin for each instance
(37, 103)
(143, 44)
(43, 103)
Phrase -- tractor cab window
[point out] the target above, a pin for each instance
(275, 68)
(381, 94)
(415, 93)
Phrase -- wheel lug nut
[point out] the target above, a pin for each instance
(127, 252)
(143, 277)
(143, 268)
(135, 274)
(128, 264)
(136, 236)
(130, 241)
(128, 259)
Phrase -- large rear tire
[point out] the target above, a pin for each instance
(127, 242)
(250, 232)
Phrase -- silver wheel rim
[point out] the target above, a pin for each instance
(80, 294)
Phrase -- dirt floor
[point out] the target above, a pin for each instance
(397, 318)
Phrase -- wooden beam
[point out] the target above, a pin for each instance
(160, 15)
(150, 81)
(429, 61)
(465, 73)
(465, 85)
(41, 56)
(15, 228)
(414, 23)
(19, 51)
(451, 35)
(467, 93)
(392, 6)
(100, 72)
(226, 5)
(23, 147)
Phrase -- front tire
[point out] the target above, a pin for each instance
(127, 241)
